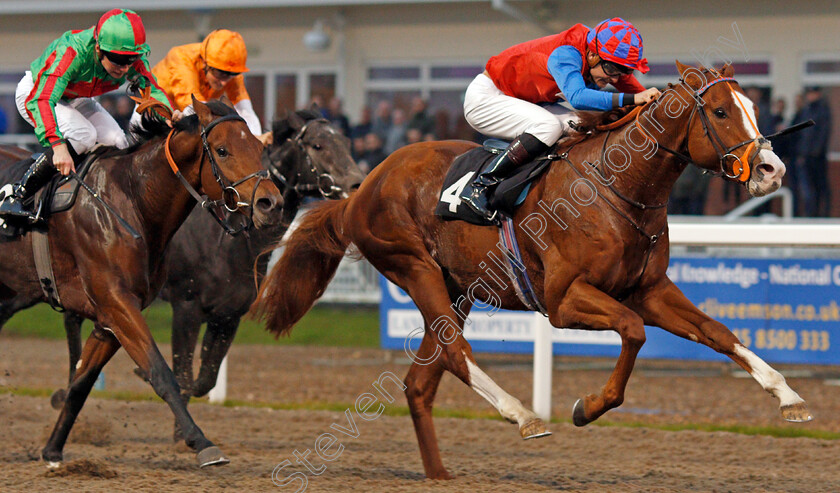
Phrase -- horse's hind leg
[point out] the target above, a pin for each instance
(443, 338)
(186, 324)
(122, 315)
(100, 347)
(421, 386)
(73, 330)
(667, 307)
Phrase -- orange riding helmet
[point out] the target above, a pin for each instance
(225, 50)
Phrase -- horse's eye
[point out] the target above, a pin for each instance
(221, 151)
(317, 147)
(720, 113)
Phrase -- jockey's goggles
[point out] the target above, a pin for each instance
(119, 59)
(612, 69)
(223, 74)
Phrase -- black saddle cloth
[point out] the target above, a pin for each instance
(505, 197)
(57, 196)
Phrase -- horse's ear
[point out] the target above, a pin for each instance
(224, 99)
(205, 116)
(314, 107)
(727, 70)
(295, 120)
(691, 75)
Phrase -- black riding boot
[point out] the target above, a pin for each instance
(520, 151)
(14, 204)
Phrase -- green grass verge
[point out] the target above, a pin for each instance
(322, 326)
(772, 431)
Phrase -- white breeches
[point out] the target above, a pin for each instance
(82, 121)
(495, 114)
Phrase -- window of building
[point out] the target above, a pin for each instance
(442, 85)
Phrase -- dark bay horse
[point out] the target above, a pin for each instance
(108, 276)
(593, 232)
(308, 157)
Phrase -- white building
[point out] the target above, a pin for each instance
(395, 49)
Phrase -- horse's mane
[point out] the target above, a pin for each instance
(153, 127)
(282, 130)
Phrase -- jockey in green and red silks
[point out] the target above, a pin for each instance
(55, 97)
(71, 68)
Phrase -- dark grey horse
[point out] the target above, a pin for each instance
(211, 275)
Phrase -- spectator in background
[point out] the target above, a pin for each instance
(364, 126)
(419, 118)
(765, 114)
(811, 155)
(396, 134)
(689, 193)
(413, 136)
(373, 153)
(4, 121)
(382, 119)
(336, 116)
(442, 118)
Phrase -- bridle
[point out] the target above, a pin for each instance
(754, 145)
(231, 198)
(322, 182)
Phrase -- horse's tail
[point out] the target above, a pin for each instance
(309, 261)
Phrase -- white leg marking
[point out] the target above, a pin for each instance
(508, 406)
(770, 380)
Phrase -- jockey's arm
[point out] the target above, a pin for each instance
(629, 84)
(565, 64)
(246, 111)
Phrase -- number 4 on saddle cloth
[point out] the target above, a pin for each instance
(504, 198)
(57, 196)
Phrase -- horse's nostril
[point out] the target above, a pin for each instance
(266, 204)
(766, 169)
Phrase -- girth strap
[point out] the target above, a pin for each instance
(516, 270)
(43, 267)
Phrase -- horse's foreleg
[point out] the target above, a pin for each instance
(73, 330)
(100, 347)
(586, 307)
(214, 348)
(667, 307)
(186, 324)
(122, 315)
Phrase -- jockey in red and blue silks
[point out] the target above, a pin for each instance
(507, 100)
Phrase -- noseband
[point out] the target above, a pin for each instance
(230, 195)
(323, 183)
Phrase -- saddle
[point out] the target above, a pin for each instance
(57, 196)
(506, 196)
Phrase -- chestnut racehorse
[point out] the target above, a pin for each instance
(106, 275)
(593, 233)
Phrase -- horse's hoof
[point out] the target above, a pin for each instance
(579, 415)
(796, 413)
(440, 475)
(53, 465)
(535, 428)
(211, 456)
(57, 399)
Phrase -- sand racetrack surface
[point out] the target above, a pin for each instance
(126, 445)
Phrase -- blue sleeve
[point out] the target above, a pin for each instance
(565, 64)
